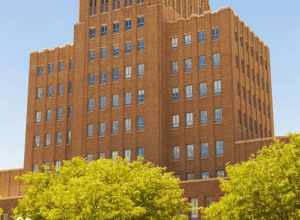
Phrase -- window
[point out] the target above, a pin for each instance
(50, 91)
(205, 175)
(194, 209)
(127, 124)
(91, 104)
(104, 5)
(116, 51)
(92, 33)
(115, 127)
(203, 89)
(38, 117)
(128, 47)
(190, 151)
(61, 89)
(90, 130)
(216, 59)
(61, 66)
(189, 91)
(39, 71)
(174, 67)
(140, 152)
(140, 123)
(188, 64)
(59, 113)
(92, 7)
(102, 129)
(58, 165)
(204, 150)
(175, 93)
(139, 1)
(140, 21)
(59, 138)
(39, 93)
(202, 62)
(114, 155)
(215, 33)
(49, 113)
(141, 96)
(35, 168)
(102, 102)
(91, 79)
(219, 148)
(69, 137)
(174, 42)
(128, 25)
(187, 39)
(127, 154)
(175, 121)
(116, 4)
(102, 155)
(203, 117)
(140, 70)
(128, 72)
(141, 45)
(37, 141)
(92, 55)
(218, 115)
(103, 53)
(116, 28)
(175, 152)
(128, 98)
(127, 2)
(89, 157)
(189, 117)
(103, 77)
(218, 87)
(220, 173)
(50, 68)
(201, 37)
(115, 101)
(115, 74)
(190, 176)
(104, 30)
(70, 87)
(47, 139)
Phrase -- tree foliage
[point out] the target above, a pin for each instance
(264, 188)
(102, 190)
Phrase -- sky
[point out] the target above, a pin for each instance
(35, 25)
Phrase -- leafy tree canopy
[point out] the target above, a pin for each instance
(102, 190)
(264, 188)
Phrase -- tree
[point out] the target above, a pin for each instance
(102, 190)
(265, 187)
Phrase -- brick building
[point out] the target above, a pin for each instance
(170, 80)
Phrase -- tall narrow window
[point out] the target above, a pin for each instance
(104, 6)
(141, 96)
(116, 4)
(140, 70)
(188, 65)
(204, 150)
(189, 118)
(189, 91)
(190, 151)
(175, 121)
(140, 21)
(215, 32)
(216, 60)
(93, 7)
(218, 87)
(219, 148)
(218, 115)
(194, 209)
(175, 152)
(203, 89)
(140, 123)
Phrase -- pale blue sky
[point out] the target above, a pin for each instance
(34, 24)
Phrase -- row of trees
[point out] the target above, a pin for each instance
(264, 188)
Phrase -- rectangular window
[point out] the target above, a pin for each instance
(58, 165)
(215, 33)
(218, 87)
(194, 209)
(140, 70)
(205, 175)
(104, 30)
(220, 173)
(174, 67)
(115, 127)
(92, 55)
(47, 139)
(89, 157)
(140, 21)
(59, 113)
(219, 148)
(115, 74)
(189, 119)
(102, 129)
(175, 152)
(175, 93)
(69, 137)
(127, 2)
(91, 79)
(116, 51)
(203, 117)
(141, 96)
(37, 141)
(201, 36)
(140, 152)
(128, 71)
(203, 90)
(59, 138)
(128, 47)
(115, 101)
(140, 123)
(103, 53)
(90, 130)
(190, 151)
(141, 45)
(61, 89)
(128, 25)
(38, 117)
(39, 93)
(61, 66)
(103, 78)
(216, 59)
(116, 27)
(92, 33)
(49, 113)
(218, 115)
(50, 68)
(104, 5)
(102, 102)
(187, 39)
(128, 98)
(114, 155)
(202, 62)
(127, 124)
(189, 91)
(188, 65)
(102, 155)
(175, 121)
(50, 91)
(127, 154)
(70, 87)
(174, 42)
(91, 104)
(39, 71)
(204, 150)
(116, 4)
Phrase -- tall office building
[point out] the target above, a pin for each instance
(169, 80)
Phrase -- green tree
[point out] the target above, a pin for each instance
(264, 188)
(102, 190)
